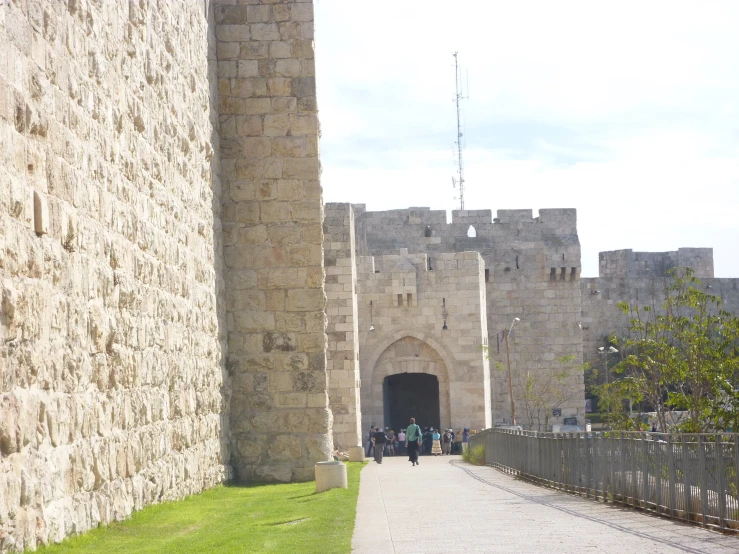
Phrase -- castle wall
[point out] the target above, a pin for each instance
(273, 241)
(342, 353)
(112, 385)
(402, 303)
(531, 271)
(649, 265)
(640, 278)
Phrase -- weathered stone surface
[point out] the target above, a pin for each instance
(113, 388)
(275, 208)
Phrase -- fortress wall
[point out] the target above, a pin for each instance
(601, 295)
(532, 271)
(273, 214)
(112, 386)
(342, 354)
(649, 265)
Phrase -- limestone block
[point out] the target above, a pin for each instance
(356, 454)
(330, 475)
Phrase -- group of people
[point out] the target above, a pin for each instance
(414, 442)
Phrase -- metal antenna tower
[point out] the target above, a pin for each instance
(458, 97)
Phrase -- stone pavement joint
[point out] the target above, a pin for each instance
(445, 505)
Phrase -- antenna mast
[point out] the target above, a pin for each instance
(458, 96)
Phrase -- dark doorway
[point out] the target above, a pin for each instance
(407, 395)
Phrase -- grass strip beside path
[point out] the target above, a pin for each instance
(234, 518)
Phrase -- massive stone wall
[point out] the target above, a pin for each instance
(639, 278)
(532, 271)
(112, 387)
(272, 214)
(343, 332)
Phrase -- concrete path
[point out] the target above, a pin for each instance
(446, 506)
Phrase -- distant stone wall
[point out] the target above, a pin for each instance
(273, 215)
(343, 331)
(112, 387)
(650, 265)
(639, 278)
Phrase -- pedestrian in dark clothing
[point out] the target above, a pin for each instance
(413, 441)
(370, 446)
(379, 438)
(427, 441)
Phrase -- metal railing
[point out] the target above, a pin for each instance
(689, 477)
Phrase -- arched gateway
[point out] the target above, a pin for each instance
(409, 379)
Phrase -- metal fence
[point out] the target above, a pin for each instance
(690, 477)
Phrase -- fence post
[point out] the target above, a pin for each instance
(687, 485)
(703, 478)
(721, 485)
(588, 465)
(672, 474)
(634, 478)
(658, 473)
(612, 464)
(622, 467)
(736, 465)
(645, 469)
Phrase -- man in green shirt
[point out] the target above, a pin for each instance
(412, 441)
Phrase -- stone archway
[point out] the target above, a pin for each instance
(406, 355)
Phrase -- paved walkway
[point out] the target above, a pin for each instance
(446, 506)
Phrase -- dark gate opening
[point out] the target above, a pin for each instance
(407, 395)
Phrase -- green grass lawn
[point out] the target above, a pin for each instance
(288, 518)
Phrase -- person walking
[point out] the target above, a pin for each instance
(436, 445)
(465, 439)
(379, 439)
(401, 442)
(413, 441)
(391, 443)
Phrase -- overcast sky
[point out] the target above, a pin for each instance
(627, 111)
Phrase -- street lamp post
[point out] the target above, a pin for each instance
(510, 381)
(610, 350)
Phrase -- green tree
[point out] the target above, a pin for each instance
(684, 357)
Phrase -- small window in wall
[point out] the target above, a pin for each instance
(487, 275)
(409, 299)
(553, 274)
(563, 257)
(400, 301)
(427, 232)
(517, 263)
(573, 273)
(472, 232)
(428, 261)
(563, 274)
